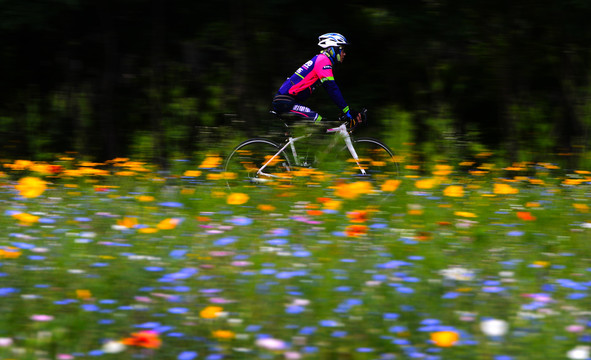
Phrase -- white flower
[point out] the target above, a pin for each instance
(113, 347)
(579, 352)
(271, 344)
(458, 274)
(494, 327)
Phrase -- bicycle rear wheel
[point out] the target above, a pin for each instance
(244, 162)
(378, 161)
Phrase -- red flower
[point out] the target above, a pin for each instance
(146, 339)
(525, 216)
(355, 230)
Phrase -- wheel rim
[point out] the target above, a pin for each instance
(243, 163)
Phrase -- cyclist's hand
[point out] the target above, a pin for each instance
(354, 118)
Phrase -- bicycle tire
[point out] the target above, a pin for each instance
(246, 159)
(378, 161)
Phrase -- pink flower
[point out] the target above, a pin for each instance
(42, 318)
(271, 344)
(575, 328)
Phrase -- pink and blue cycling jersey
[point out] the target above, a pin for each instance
(304, 81)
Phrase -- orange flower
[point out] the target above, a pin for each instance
(211, 312)
(358, 216)
(445, 338)
(356, 230)
(146, 339)
(525, 216)
(128, 222)
(353, 190)
(266, 207)
(223, 334)
(390, 185)
(168, 224)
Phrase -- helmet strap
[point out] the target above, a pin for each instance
(332, 54)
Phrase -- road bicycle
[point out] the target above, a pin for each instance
(264, 162)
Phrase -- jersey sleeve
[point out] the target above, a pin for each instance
(324, 70)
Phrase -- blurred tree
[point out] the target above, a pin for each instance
(98, 77)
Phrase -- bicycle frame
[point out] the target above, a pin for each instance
(340, 130)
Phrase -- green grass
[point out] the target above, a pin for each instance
(282, 264)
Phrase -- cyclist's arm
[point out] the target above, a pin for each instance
(324, 71)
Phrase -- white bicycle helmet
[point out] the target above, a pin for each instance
(331, 39)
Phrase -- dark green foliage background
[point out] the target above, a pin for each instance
(163, 79)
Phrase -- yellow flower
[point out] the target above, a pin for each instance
(332, 204)
(581, 207)
(442, 170)
(26, 218)
(353, 190)
(223, 334)
(145, 198)
(192, 173)
(31, 187)
(465, 214)
(211, 312)
(148, 230)
(10, 253)
(445, 338)
(504, 189)
(426, 183)
(20, 165)
(454, 191)
(237, 198)
(83, 294)
(210, 162)
(390, 185)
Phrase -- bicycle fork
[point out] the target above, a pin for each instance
(342, 130)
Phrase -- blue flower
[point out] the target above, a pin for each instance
(187, 355)
(172, 204)
(225, 241)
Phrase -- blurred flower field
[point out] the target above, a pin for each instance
(117, 260)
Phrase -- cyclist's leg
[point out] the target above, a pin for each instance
(305, 113)
(286, 104)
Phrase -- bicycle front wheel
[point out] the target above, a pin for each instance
(377, 161)
(257, 162)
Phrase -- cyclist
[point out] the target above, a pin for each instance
(318, 70)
